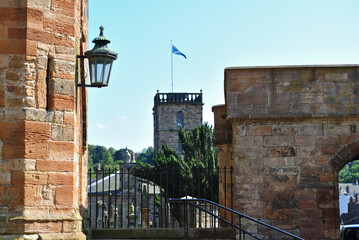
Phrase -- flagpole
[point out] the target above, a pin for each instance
(172, 65)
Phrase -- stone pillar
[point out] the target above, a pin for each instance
(43, 157)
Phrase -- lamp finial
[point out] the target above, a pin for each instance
(101, 30)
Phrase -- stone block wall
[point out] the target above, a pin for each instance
(294, 128)
(43, 161)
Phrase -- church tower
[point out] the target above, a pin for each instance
(172, 111)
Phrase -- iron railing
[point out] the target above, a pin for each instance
(270, 233)
(120, 198)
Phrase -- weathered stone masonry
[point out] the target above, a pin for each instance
(43, 161)
(288, 131)
(166, 107)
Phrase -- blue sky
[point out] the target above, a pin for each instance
(214, 35)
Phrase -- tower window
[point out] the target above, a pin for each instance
(179, 120)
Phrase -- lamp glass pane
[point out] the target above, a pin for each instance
(92, 66)
(99, 70)
(107, 71)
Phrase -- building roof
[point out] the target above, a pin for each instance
(114, 183)
(348, 188)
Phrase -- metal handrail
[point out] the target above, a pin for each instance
(190, 201)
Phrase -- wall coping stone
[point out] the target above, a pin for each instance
(295, 66)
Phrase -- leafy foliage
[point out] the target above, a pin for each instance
(195, 174)
(146, 156)
(111, 158)
(349, 173)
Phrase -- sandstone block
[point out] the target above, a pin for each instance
(303, 140)
(32, 195)
(69, 118)
(64, 166)
(258, 130)
(59, 211)
(311, 204)
(249, 141)
(61, 150)
(44, 165)
(73, 226)
(14, 102)
(62, 102)
(347, 139)
(16, 33)
(12, 14)
(31, 48)
(12, 134)
(41, 97)
(336, 77)
(278, 213)
(5, 178)
(337, 128)
(60, 179)
(41, 115)
(66, 7)
(3, 35)
(41, 227)
(12, 46)
(62, 132)
(284, 130)
(64, 66)
(279, 161)
(37, 131)
(35, 18)
(41, 36)
(326, 141)
(35, 178)
(270, 141)
(64, 195)
(311, 233)
(252, 99)
(310, 129)
(64, 87)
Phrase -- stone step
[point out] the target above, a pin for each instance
(162, 233)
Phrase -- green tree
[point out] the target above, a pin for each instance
(100, 154)
(194, 174)
(198, 145)
(146, 156)
(349, 173)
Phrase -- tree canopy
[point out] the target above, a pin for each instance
(349, 173)
(193, 173)
(111, 158)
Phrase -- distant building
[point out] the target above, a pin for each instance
(112, 196)
(352, 216)
(172, 111)
(348, 203)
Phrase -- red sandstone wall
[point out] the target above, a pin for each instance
(42, 160)
(293, 130)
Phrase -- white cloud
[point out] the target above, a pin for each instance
(121, 117)
(100, 126)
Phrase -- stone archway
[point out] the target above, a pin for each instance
(346, 154)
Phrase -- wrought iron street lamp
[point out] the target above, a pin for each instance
(100, 62)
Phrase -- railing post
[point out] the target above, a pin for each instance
(186, 221)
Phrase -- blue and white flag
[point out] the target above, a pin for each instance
(176, 51)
